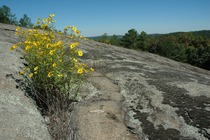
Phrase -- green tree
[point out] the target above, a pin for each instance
(206, 56)
(129, 40)
(191, 55)
(166, 49)
(185, 38)
(25, 21)
(6, 16)
(142, 41)
(115, 40)
(179, 53)
(152, 44)
(104, 39)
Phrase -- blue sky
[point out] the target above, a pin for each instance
(95, 17)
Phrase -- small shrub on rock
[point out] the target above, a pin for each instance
(53, 65)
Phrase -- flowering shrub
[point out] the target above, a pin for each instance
(55, 70)
(54, 67)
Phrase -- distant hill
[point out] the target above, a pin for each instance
(203, 33)
(94, 37)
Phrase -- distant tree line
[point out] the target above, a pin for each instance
(187, 47)
(7, 17)
(114, 40)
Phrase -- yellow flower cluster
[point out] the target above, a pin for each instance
(13, 47)
(43, 24)
(73, 29)
(47, 54)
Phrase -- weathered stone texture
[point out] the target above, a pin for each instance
(19, 117)
(163, 99)
(131, 94)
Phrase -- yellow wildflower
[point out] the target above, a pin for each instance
(43, 26)
(16, 33)
(50, 74)
(13, 47)
(42, 53)
(60, 43)
(54, 64)
(80, 71)
(48, 45)
(27, 48)
(17, 29)
(71, 36)
(60, 75)
(73, 28)
(31, 75)
(44, 20)
(52, 15)
(77, 32)
(23, 32)
(27, 42)
(35, 44)
(77, 43)
(52, 52)
(75, 60)
(35, 72)
(36, 68)
(60, 33)
(80, 53)
(91, 69)
(36, 35)
(72, 46)
(22, 72)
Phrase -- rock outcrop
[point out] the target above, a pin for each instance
(162, 99)
(19, 117)
(100, 116)
(131, 95)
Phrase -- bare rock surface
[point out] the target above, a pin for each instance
(100, 117)
(19, 117)
(131, 95)
(162, 99)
